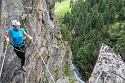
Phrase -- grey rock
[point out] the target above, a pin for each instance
(42, 24)
(109, 68)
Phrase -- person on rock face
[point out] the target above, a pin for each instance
(17, 35)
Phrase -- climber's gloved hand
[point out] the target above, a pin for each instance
(30, 38)
(7, 40)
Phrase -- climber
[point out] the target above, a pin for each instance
(17, 35)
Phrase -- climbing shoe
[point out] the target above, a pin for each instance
(24, 69)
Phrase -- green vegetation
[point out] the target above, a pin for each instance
(66, 34)
(35, 3)
(45, 80)
(22, 24)
(94, 22)
(71, 79)
(62, 8)
(58, 37)
(57, 75)
(68, 72)
(59, 1)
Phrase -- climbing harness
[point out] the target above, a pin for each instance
(44, 62)
(3, 60)
(20, 50)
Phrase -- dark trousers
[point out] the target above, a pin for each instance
(20, 52)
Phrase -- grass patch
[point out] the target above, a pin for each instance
(62, 8)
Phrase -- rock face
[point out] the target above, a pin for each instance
(38, 19)
(109, 68)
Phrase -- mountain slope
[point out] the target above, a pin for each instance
(38, 19)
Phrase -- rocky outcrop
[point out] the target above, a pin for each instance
(109, 68)
(38, 19)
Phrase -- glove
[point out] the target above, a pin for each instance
(30, 38)
(7, 39)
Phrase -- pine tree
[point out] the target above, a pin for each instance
(112, 14)
(121, 14)
(106, 15)
(92, 21)
(71, 3)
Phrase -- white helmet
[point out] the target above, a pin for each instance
(16, 23)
